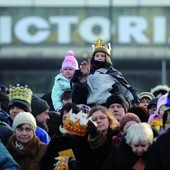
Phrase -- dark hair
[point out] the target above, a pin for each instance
(66, 95)
(164, 118)
(67, 107)
(53, 124)
(141, 112)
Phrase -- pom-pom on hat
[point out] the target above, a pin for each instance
(70, 61)
(118, 98)
(24, 118)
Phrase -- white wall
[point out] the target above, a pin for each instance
(84, 3)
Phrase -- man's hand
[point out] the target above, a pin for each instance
(85, 67)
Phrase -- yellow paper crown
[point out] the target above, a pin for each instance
(100, 45)
(76, 123)
(20, 93)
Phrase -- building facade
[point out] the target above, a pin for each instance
(35, 36)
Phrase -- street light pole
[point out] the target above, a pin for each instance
(163, 72)
(111, 20)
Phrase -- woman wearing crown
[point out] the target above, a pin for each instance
(97, 79)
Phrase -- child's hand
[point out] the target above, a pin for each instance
(85, 67)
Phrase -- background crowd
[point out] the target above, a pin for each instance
(92, 119)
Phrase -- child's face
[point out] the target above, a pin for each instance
(68, 72)
(144, 102)
(100, 56)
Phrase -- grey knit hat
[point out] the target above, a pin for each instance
(38, 105)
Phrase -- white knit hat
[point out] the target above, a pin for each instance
(24, 118)
(146, 94)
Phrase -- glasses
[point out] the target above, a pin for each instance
(98, 118)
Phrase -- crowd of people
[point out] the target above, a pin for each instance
(92, 119)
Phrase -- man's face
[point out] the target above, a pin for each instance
(14, 110)
(43, 117)
(117, 110)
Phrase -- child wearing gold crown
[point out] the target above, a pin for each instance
(97, 79)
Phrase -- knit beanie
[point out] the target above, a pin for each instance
(19, 103)
(145, 95)
(128, 117)
(118, 98)
(70, 61)
(152, 102)
(38, 105)
(24, 118)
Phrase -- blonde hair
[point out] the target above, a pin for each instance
(139, 132)
(113, 123)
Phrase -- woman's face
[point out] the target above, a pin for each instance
(140, 148)
(101, 120)
(100, 56)
(24, 133)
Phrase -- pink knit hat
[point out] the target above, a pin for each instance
(70, 61)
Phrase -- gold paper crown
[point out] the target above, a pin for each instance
(76, 123)
(62, 163)
(100, 45)
(20, 93)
